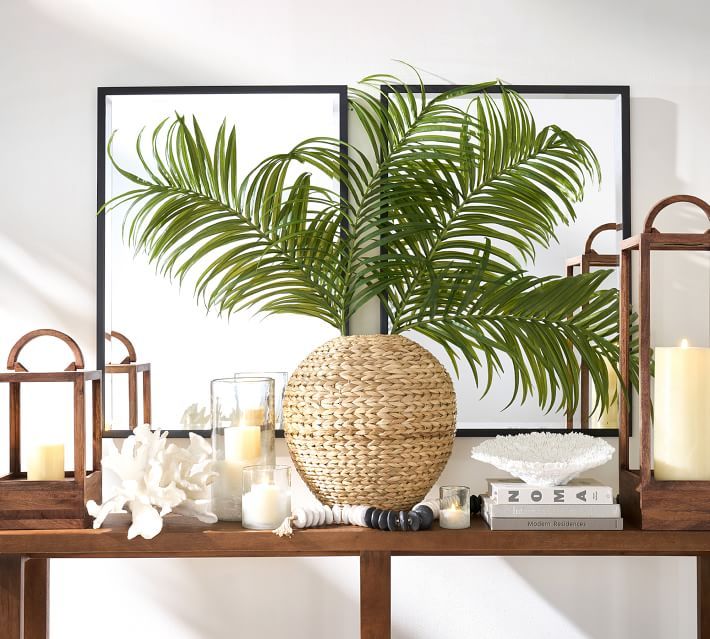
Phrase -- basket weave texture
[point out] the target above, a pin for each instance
(370, 420)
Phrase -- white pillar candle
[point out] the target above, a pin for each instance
(609, 417)
(454, 517)
(681, 424)
(46, 462)
(265, 506)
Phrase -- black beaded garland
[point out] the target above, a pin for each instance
(382, 523)
(392, 520)
(403, 520)
(375, 518)
(426, 515)
(368, 516)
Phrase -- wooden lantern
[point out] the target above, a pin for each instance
(645, 501)
(26, 504)
(590, 258)
(129, 367)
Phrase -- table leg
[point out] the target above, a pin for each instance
(703, 596)
(37, 599)
(11, 596)
(375, 595)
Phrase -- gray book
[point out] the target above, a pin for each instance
(554, 523)
(558, 511)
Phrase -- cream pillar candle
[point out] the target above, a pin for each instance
(265, 506)
(46, 462)
(681, 404)
(242, 444)
(609, 417)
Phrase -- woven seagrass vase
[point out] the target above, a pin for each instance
(370, 420)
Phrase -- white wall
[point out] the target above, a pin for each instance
(56, 52)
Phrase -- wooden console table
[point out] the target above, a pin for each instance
(24, 558)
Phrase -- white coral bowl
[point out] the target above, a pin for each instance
(544, 459)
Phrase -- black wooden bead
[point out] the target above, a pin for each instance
(403, 520)
(382, 523)
(375, 518)
(413, 520)
(475, 503)
(426, 515)
(368, 516)
(393, 520)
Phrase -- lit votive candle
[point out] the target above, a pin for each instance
(46, 462)
(266, 500)
(455, 509)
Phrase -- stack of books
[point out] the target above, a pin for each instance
(583, 504)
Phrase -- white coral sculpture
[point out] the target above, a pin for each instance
(158, 478)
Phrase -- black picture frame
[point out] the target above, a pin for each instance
(624, 93)
(103, 93)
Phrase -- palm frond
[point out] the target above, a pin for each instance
(541, 325)
(264, 241)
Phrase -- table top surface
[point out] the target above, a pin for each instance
(183, 537)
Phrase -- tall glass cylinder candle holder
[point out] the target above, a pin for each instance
(266, 500)
(280, 380)
(243, 416)
(455, 507)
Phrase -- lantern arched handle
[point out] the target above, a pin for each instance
(12, 359)
(609, 226)
(131, 358)
(674, 199)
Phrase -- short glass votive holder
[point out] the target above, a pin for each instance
(242, 414)
(455, 507)
(266, 500)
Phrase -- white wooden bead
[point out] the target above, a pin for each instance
(300, 518)
(345, 516)
(310, 514)
(337, 510)
(361, 515)
(354, 516)
(328, 515)
(321, 515)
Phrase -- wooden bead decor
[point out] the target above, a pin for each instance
(590, 258)
(370, 419)
(645, 501)
(26, 504)
(129, 367)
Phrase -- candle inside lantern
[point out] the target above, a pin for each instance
(46, 462)
(609, 417)
(681, 423)
(266, 501)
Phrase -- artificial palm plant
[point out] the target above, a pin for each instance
(444, 206)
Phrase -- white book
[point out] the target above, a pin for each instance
(577, 491)
(554, 523)
(550, 510)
